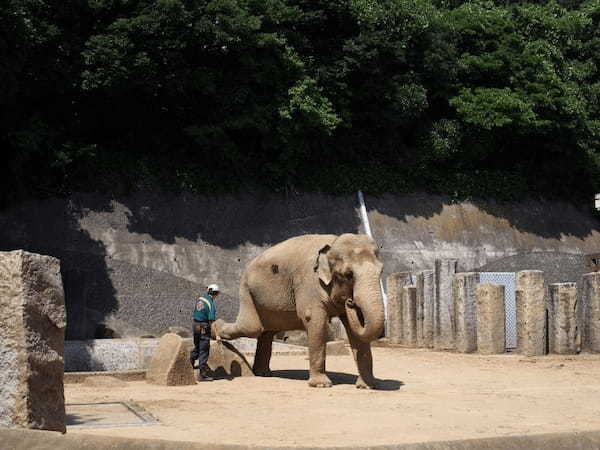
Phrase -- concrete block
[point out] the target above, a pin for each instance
(531, 313)
(562, 318)
(395, 282)
(170, 364)
(443, 314)
(409, 308)
(591, 312)
(491, 329)
(32, 336)
(465, 306)
(336, 348)
(425, 306)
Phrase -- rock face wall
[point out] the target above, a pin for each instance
(32, 327)
(134, 263)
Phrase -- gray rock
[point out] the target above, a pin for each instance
(170, 364)
(491, 330)
(465, 306)
(32, 330)
(425, 306)
(443, 313)
(395, 283)
(562, 318)
(591, 312)
(531, 313)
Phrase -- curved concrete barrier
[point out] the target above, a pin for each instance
(17, 439)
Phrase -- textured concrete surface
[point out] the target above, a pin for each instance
(443, 309)
(134, 263)
(465, 305)
(409, 316)
(531, 312)
(590, 296)
(425, 306)
(491, 331)
(395, 284)
(562, 318)
(32, 333)
(170, 364)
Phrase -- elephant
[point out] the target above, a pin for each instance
(299, 284)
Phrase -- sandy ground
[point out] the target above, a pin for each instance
(426, 396)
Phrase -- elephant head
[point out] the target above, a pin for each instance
(349, 270)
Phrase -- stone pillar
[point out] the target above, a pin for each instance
(409, 308)
(32, 340)
(591, 312)
(491, 315)
(562, 318)
(395, 282)
(531, 313)
(465, 306)
(443, 314)
(425, 302)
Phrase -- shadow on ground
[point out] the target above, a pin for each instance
(338, 378)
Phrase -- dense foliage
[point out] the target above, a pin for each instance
(466, 98)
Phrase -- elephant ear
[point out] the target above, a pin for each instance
(322, 266)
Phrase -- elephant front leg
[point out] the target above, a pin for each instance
(315, 322)
(363, 358)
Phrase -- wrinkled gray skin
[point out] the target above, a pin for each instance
(300, 284)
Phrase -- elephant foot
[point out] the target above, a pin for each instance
(362, 384)
(320, 381)
(217, 329)
(263, 372)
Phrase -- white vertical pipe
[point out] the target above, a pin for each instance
(365, 220)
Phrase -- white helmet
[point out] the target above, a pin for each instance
(212, 288)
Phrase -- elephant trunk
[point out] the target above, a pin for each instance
(365, 311)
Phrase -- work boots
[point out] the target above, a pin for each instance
(204, 375)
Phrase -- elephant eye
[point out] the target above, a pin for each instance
(349, 275)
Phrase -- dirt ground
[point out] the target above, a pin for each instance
(425, 396)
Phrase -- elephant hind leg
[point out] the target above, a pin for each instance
(262, 356)
(247, 324)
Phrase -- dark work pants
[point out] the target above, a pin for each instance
(201, 349)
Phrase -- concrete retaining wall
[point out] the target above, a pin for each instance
(45, 440)
(131, 354)
(133, 263)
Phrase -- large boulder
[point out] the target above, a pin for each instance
(226, 361)
(170, 364)
(32, 336)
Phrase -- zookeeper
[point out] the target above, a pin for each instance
(205, 311)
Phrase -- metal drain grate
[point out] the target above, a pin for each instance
(107, 414)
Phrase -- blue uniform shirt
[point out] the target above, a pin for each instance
(205, 309)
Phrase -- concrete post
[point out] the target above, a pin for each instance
(425, 302)
(465, 305)
(409, 296)
(395, 282)
(531, 313)
(562, 318)
(32, 342)
(591, 312)
(443, 316)
(491, 330)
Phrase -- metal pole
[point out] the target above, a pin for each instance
(365, 221)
